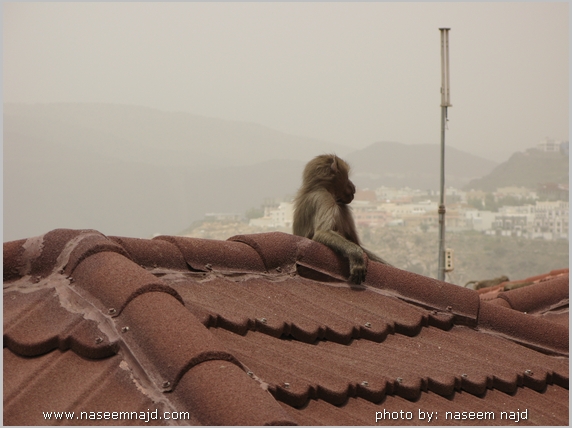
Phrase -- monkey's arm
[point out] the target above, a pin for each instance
(353, 252)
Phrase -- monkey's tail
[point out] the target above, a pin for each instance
(375, 257)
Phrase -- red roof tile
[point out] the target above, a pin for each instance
(263, 329)
(538, 297)
(545, 296)
(36, 323)
(204, 255)
(64, 381)
(153, 253)
(489, 293)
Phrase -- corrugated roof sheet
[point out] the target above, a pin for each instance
(264, 329)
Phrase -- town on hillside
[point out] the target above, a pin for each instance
(532, 213)
(513, 230)
(509, 211)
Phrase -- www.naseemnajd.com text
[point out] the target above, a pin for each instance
(142, 416)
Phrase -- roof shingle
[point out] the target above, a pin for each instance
(264, 329)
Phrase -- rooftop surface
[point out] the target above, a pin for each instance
(264, 329)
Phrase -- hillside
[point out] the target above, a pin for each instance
(476, 256)
(525, 169)
(416, 166)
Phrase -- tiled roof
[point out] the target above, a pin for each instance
(264, 329)
(489, 293)
(545, 296)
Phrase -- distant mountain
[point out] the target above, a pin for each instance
(525, 169)
(140, 134)
(133, 171)
(416, 166)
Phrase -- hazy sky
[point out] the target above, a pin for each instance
(348, 73)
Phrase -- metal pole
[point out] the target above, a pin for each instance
(445, 102)
(441, 273)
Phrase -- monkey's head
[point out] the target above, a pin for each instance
(332, 173)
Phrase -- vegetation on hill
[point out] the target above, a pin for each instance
(475, 256)
(491, 204)
(525, 169)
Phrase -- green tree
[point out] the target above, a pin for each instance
(491, 203)
(254, 213)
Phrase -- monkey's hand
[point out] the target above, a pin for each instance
(353, 252)
(357, 268)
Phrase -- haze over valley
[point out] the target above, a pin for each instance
(136, 171)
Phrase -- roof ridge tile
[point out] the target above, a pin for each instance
(55, 251)
(320, 258)
(153, 253)
(538, 296)
(278, 250)
(115, 280)
(86, 245)
(205, 255)
(154, 323)
(426, 292)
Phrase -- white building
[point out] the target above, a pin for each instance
(544, 220)
(393, 194)
(223, 216)
(405, 210)
(551, 220)
(279, 217)
(479, 220)
(549, 145)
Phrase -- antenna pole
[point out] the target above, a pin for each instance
(445, 102)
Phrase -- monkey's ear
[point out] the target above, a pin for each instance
(334, 166)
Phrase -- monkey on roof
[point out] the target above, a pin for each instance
(321, 212)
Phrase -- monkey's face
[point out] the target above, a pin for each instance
(346, 191)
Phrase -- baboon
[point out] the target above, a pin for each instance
(321, 212)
